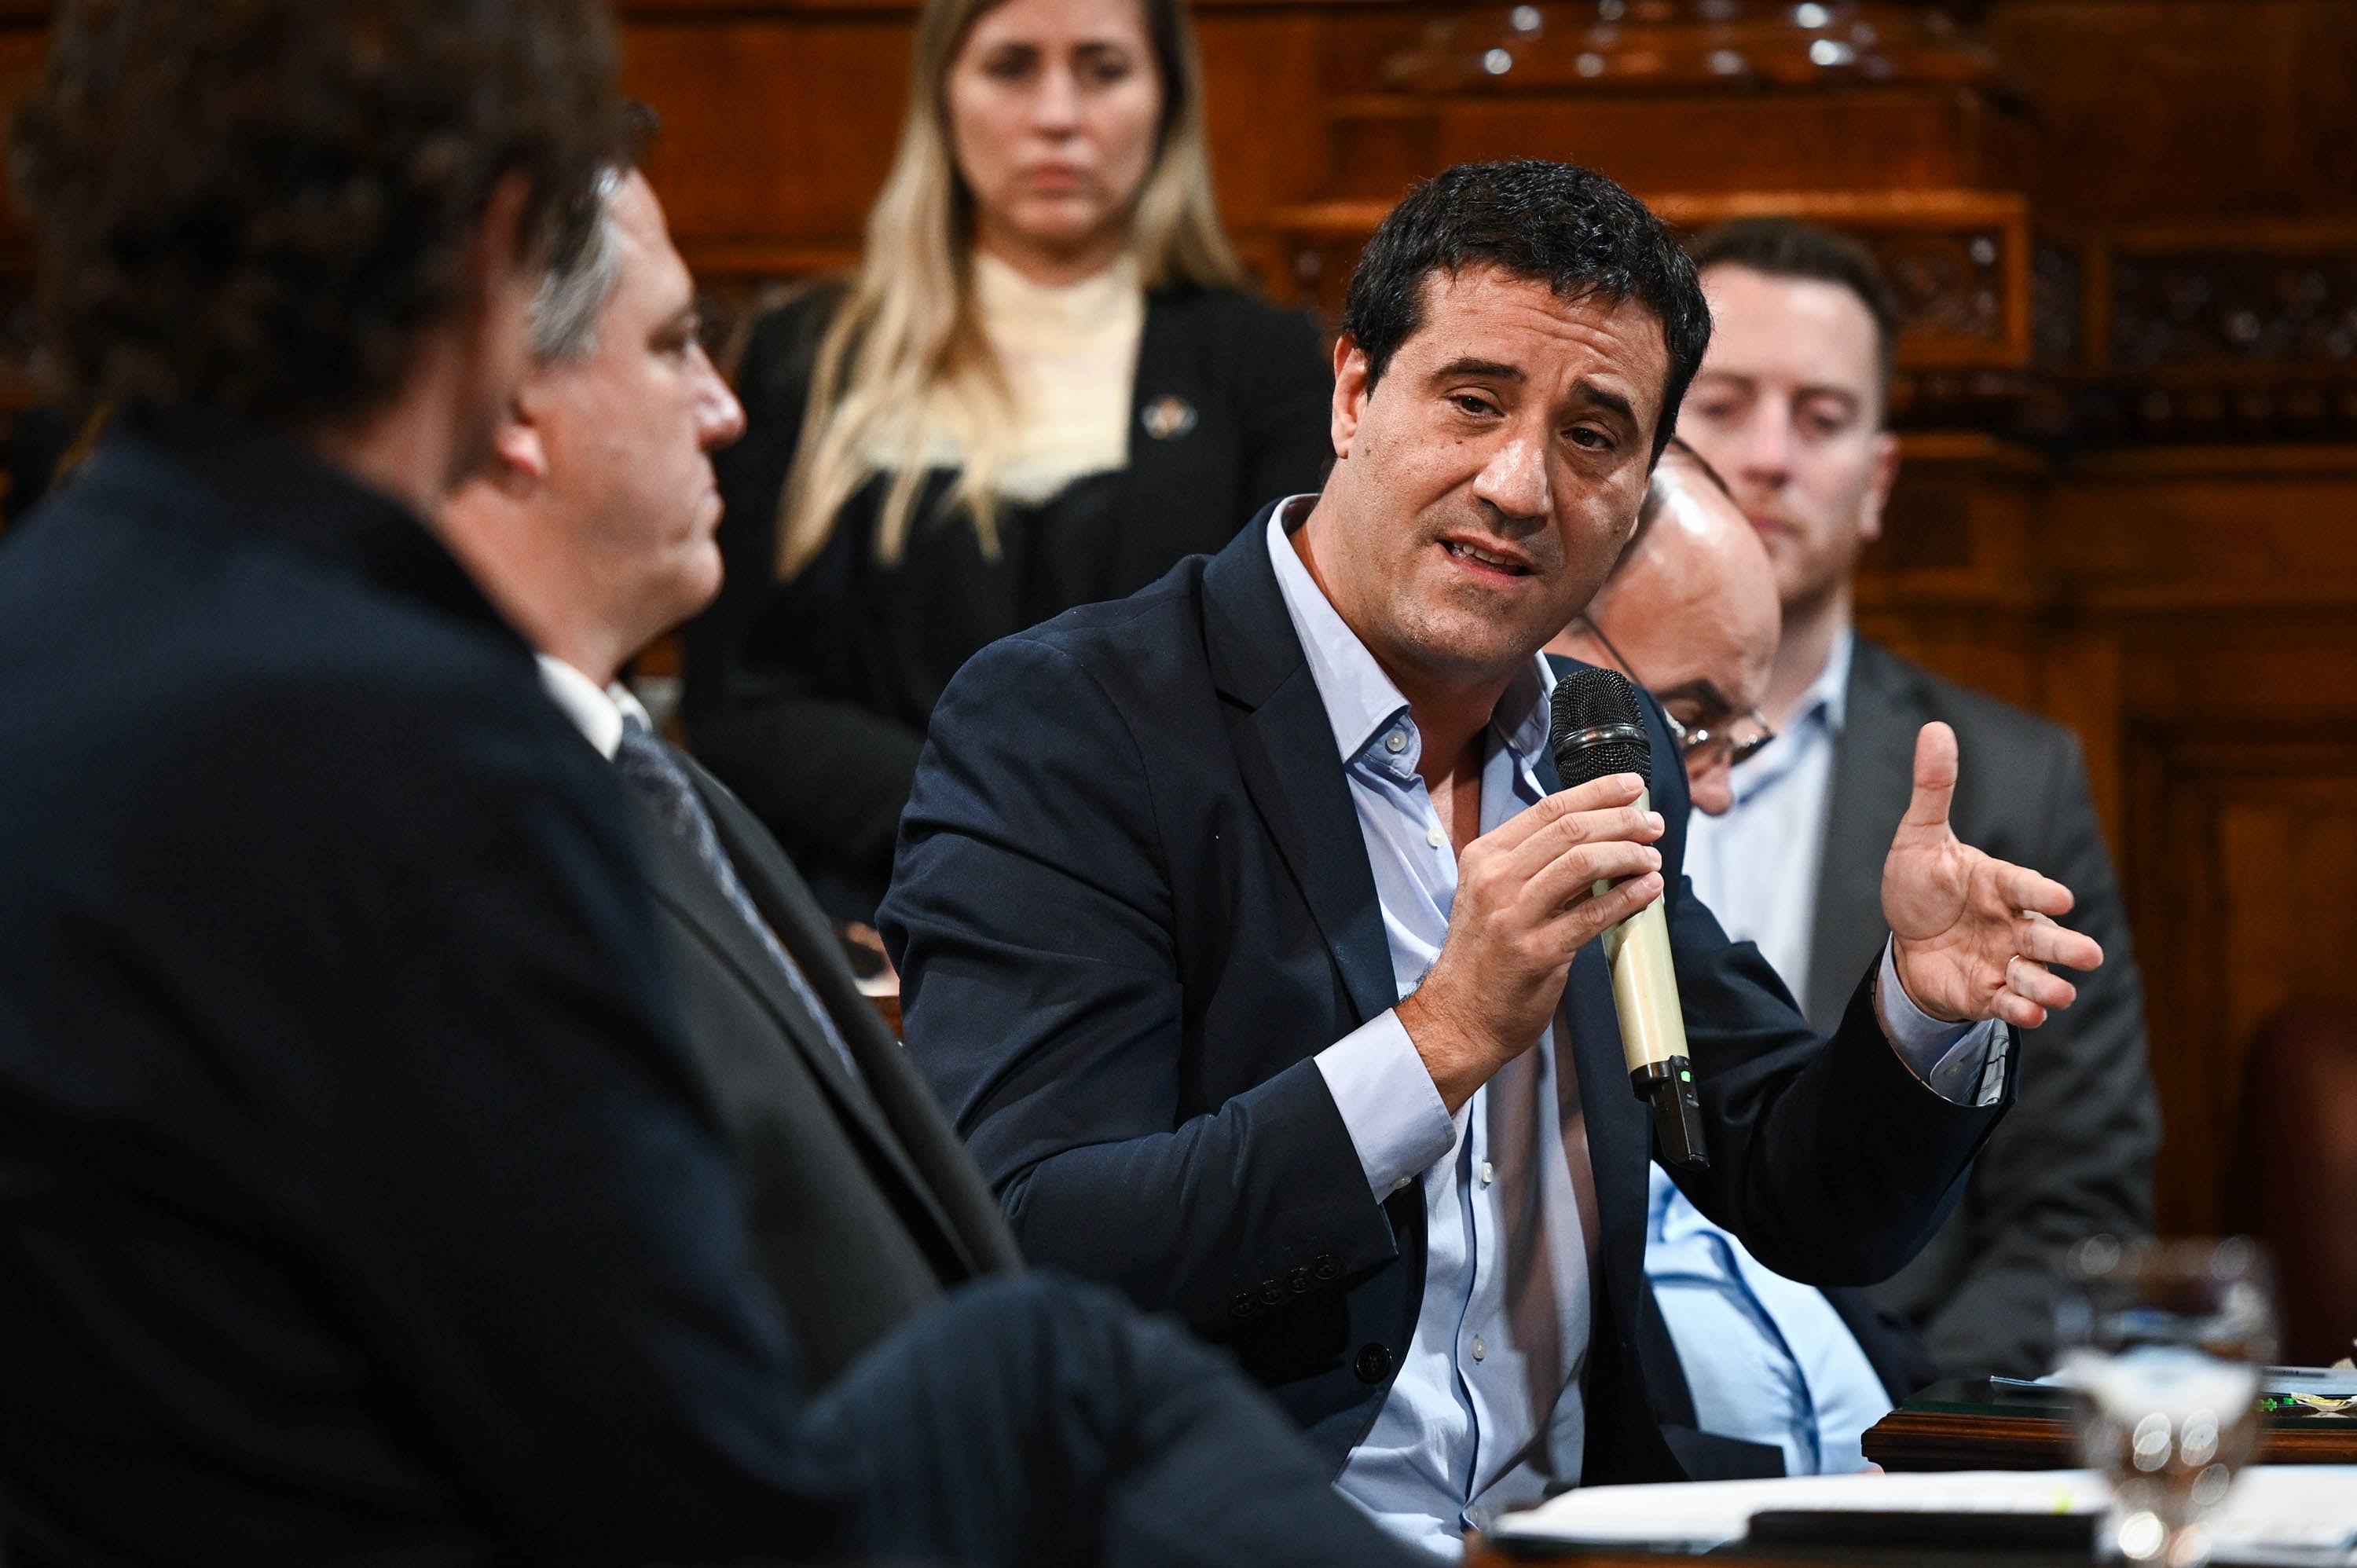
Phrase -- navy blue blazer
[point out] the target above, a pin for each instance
(1132, 904)
(359, 1200)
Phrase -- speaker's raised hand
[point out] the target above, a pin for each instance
(1972, 935)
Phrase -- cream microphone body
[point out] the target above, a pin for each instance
(1598, 729)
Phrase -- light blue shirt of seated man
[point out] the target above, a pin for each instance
(1766, 1360)
(1486, 1414)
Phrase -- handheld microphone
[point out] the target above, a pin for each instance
(1596, 729)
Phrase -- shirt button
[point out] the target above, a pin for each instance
(1481, 1347)
(1396, 741)
(1489, 1173)
(1436, 838)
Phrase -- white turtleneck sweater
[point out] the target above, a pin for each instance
(1070, 354)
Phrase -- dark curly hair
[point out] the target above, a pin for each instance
(258, 207)
(1559, 224)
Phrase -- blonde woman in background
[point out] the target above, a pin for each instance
(1046, 384)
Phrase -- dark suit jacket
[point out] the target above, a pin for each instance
(864, 1205)
(802, 695)
(2075, 1157)
(1132, 904)
(359, 1201)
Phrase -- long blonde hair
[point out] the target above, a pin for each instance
(909, 336)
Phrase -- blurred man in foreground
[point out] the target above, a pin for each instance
(359, 1198)
(1790, 408)
(1790, 1374)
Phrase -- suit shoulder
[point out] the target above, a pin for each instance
(1980, 720)
(1133, 652)
(1238, 328)
(783, 340)
(200, 651)
(1231, 310)
(1166, 610)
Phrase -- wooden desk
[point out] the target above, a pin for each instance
(1961, 1425)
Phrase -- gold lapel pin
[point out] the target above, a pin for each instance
(1168, 417)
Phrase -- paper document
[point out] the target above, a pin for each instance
(2329, 1382)
(2307, 1507)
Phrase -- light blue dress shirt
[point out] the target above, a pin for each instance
(1757, 865)
(1766, 1360)
(1486, 1414)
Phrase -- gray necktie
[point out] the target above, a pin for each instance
(648, 763)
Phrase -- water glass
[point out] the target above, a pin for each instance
(2165, 1343)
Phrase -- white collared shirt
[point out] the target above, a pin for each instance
(597, 711)
(1485, 1414)
(1757, 866)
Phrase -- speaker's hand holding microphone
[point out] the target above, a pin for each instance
(1530, 894)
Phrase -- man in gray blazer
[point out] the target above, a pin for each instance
(863, 1204)
(1789, 407)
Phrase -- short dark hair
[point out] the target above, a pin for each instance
(261, 208)
(1789, 248)
(1565, 226)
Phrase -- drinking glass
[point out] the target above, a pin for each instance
(2165, 1343)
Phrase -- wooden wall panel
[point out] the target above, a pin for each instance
(2207, 530)
(776, 137)
(1870, 140)
(22, 49)
(2152, 109)
(2243, 875)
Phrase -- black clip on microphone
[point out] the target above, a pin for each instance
(1598, 729)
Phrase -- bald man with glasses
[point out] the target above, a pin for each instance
(1691, 609)
(1752, 1373)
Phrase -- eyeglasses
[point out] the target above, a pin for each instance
(1738, 737)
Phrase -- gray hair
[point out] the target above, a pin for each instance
(572, 298)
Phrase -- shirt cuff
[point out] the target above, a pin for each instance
(1388, 1102)
(1963, 1064)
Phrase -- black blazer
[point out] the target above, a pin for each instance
(796, 693)
(864, 1205)
(2075, 1157)
(1132, 904)
(359, 1201)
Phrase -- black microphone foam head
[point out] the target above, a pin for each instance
(1598, 727)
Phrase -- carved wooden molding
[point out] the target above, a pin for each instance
(2212, 333)
(1959, 261)
(1618, 46)
(2219, 332)
(738, 10)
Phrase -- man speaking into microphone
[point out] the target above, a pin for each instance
(1247, 934)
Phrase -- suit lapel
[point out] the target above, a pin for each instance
(1873, 775)
(1285, 749)
(1167, 492)
(948, 1180)
(684, 887)
(1620, 1129)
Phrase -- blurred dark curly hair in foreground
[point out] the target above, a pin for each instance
(259, 206)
